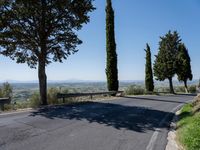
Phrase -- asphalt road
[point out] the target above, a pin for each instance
(131, 123)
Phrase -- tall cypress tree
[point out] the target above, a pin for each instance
(111, 66)
(184, 71)
(165, 66)
(149, 84)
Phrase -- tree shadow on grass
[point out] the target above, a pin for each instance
(139, 119)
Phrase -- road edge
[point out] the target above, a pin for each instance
(154, 137)
(172, 144)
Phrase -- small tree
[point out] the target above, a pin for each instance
(165, 65)
(6, 90)
(42, 31)
(149, 84)
(184, 71)
(111, 67)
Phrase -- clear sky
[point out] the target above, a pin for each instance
(137, 22)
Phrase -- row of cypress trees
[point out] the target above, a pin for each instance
(172, 58)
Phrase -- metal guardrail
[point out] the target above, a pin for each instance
(70, 95)
(4, 101)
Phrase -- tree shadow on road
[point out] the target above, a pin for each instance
(139, 119)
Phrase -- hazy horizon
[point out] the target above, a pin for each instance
(88, 81)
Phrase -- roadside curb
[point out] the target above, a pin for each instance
(172, 143)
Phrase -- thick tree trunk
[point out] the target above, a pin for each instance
(42, 82)
(171, 86)
(186, 87)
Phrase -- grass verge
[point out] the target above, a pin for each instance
(188, 128)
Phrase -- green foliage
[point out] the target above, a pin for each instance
(135, 90)
(149, 84)
(180, 89)
(186, 109)
(6, 90)
(35, 100)
(189, 128)
(8, 107)
(184, 71)
(23, 105)
(65, 91)
(44, 28)
(52, 95)
(111, 66)
(192, 89)
(162, 89)
(40, 32)
(1, 93)
(165, 65)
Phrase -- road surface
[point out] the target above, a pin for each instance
(128, 123)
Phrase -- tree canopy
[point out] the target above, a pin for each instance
(40, 32)
(165, 65)
(184, 71)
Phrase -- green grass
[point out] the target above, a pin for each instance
(189, 128)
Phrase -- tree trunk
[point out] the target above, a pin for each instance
(171, 86)
(42, 82)
(186, 87)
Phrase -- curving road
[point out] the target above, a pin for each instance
(128, 123)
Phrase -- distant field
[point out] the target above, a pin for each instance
(23, 91)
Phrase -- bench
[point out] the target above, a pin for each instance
(111, 93)
(4, 101)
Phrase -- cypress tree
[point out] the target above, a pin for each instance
(165, 65)
(184, 71)
(111, 66)
(149, 84)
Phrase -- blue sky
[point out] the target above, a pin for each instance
(137, 22)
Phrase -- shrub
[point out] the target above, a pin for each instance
(162, 89)
(192, 89)
(6, 90)
(35, 100)
(1, 93)
(180, 89)
(65, 91)
(135, 90)
(22, 105)
(8, 107)
(52, 95)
